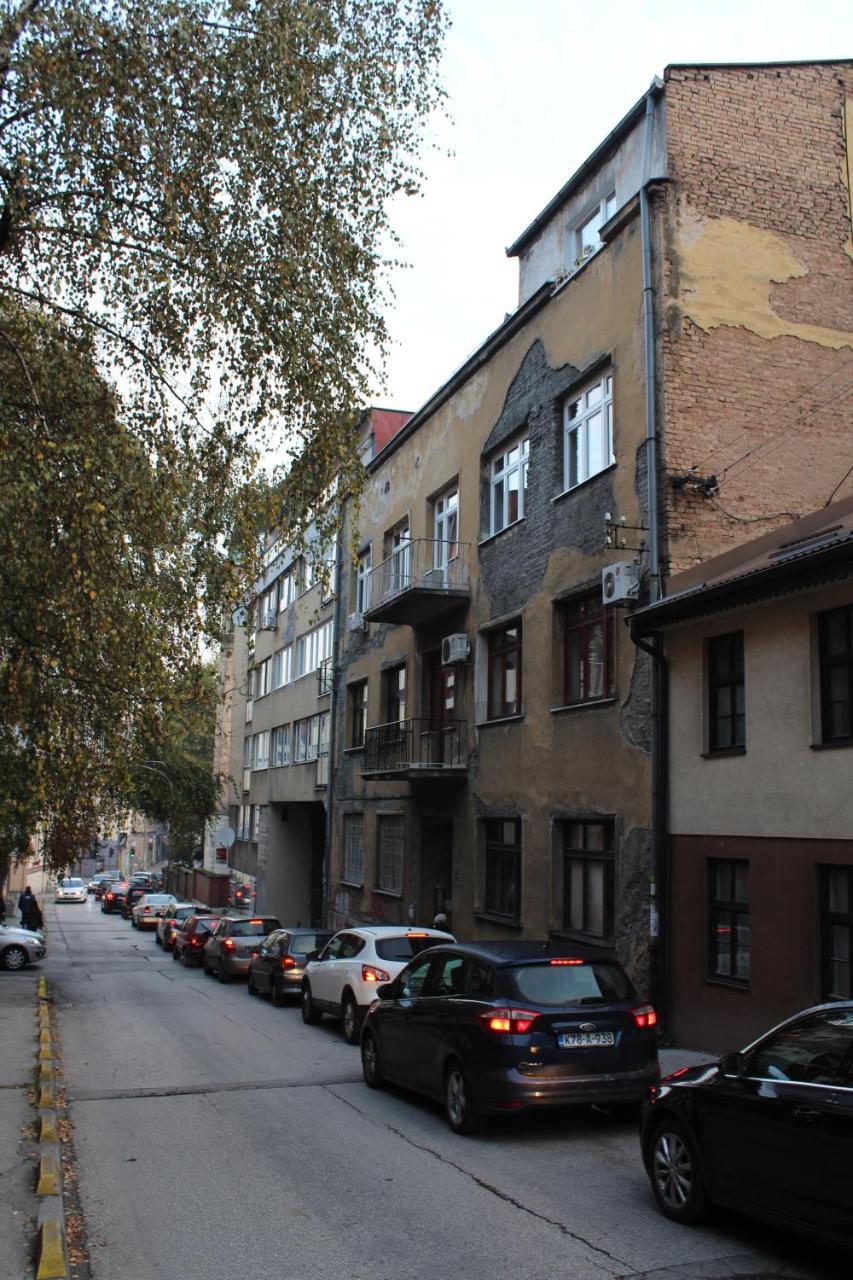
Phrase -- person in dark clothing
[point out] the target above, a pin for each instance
(24, 901)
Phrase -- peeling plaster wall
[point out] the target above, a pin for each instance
(757, 303)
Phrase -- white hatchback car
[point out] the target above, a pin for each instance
(70, 889)
(342, 980)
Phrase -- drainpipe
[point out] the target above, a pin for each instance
(333, 703)
(659, 888)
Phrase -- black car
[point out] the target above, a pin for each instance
(768, 1132)
(114, 897)
(278, 967)
(134, 893)
(495, 1027)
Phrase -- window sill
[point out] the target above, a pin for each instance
(484, 542)
(388, 893)
(731, 984)
(724, 755)
(351, 884)
(508, 922)
(567, 493)
(487, 724)
(840, 745)
(310, 760)
(569, 707)
(282, 764)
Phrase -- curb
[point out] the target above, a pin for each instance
(52, 1249)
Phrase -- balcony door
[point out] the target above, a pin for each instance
(439, 743)
(445, 526)
(436, 868)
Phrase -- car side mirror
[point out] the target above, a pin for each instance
(731, 1065)
(385, 991)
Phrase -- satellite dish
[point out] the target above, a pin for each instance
(225, 837)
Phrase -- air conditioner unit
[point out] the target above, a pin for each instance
(355, 622)
(620, 582)
(455, 649)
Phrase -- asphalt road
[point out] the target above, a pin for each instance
(217, 1136)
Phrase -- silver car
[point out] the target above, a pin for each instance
(149, 908)
(71, 889)
(20, 947)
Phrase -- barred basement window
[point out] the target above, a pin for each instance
(353, 848)
(391, 839)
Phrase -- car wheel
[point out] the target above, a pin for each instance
(310, 1013)
(175, 955)
(13, 959)
(251, 988)
(185, 959)
(276, 994)
(458, 1104)
(370, 1061)
(351, 1019)
(675, 1172)
(158, 939)
(221, 972)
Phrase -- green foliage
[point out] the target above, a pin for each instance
(193, 204)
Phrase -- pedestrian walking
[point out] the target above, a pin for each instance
(24, 900)
(2, 908)
(440, 921)
(34, 916)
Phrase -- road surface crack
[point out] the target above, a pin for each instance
(192, 1090)
(487, 1186)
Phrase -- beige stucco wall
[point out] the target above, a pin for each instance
(781, 786)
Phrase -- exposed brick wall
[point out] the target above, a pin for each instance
(765, 147)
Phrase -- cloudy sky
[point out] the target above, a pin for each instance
(533, 86)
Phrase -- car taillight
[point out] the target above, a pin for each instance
(195, 942)
(287, 962)
(229, 944)
(146, 910)
(516, 1022)
(110, 897)
(370, 973)
(644, 1015)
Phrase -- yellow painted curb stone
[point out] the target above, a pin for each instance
(48, 1129)
(46, 1073)
(46, 1097)
(42, 988)
(52, 1253)
(48, 1183)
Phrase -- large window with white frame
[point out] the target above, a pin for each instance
(286, 590)
(588, 432)
(445, 525)
(269, 607)
(281, 667)
(313, 648)
(508, 485)
(306, 739)
(362, 574)
(280, 748)
(587, 237)
(261, 751)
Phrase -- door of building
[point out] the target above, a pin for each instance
(436, 869)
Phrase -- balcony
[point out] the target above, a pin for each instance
(416, 750)
(419, 580)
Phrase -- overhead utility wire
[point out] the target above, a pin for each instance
(778, 437)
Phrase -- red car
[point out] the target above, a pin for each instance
(191, 938)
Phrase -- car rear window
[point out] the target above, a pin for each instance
(182, 912)
(595, 982)
(305, 942)
(252, 928)
(404, 948)
(205, 926)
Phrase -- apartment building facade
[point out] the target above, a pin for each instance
(684, 311)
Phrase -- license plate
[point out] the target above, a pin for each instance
(585, 1039)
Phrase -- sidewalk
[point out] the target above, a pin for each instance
(18, 1203)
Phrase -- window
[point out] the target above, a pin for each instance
(357, 695)
(281, 745)
(256, 821)
(587, 650)
(504, 672)
(248, 748)
(269, 607)
(815, 1050)
(394, 700)
(445, 525)
(836, 931)
(413, 981)
(362, 573)
(306, 739)
(281, 666)
(398, 547)
(502, 894)
(726, 702)
(508, 485)
(836, 674)
(261, 751)
(588, 432)
(588, 877)
(244, 822)
(286, 590)
(312, 648)
(353, 848)
(587, 239)
(391, 837)
(262, 675)
(729, 930)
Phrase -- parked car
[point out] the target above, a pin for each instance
(100, 877)
(134, 893)
(278, 967)
(70, 889)
(767, 1131)
(235, 940)
(101, 886)
(114, 898)
(494, 1027)
(20, 947)
(191, 938)
(148, 909)
(171, 920)
(343, 978)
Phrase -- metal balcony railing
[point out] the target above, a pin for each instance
(424, 566)
(415, 746)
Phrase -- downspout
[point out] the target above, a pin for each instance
(659, 888)
(333, 705)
